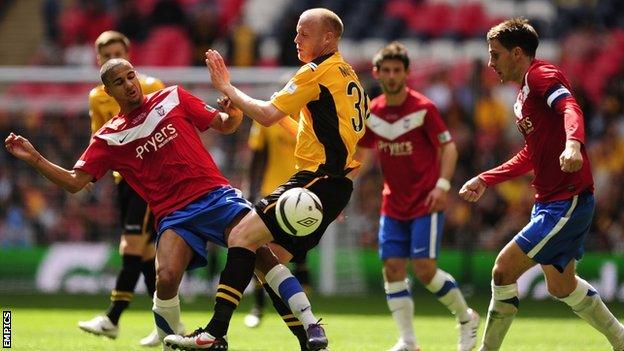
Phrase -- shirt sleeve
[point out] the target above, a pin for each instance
(515, 167)
(257, 137)
(551, 85)
(198, 111)
(300, 90)
(435, 128)
(95, 160)
(97, 118)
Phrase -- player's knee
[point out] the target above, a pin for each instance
(240, 237)
(394, 271)
(166, 278)
(424, 272)
(559, 291)
(499, 275)
(131, 246)
(249, 234)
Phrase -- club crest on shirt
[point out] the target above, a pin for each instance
(160, 110)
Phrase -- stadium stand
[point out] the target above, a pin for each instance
(445, 37)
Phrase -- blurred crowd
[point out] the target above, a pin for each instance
(476, 109)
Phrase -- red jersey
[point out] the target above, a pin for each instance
(157, 150)
(547, 115)
(406, 139)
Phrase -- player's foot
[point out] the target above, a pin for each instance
(200, 339)
(151, 340)
(254, 318)
(154, 340)
(316, 337)
(401, 345)
(468, 332)
(100, 325)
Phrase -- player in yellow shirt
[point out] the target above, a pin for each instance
(137, 239)
(332, 107)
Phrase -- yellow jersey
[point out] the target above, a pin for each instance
(103, 107)
(332, 107)
(280, 148)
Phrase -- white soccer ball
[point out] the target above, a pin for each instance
(299, 211)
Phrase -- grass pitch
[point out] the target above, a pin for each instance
(352, 324)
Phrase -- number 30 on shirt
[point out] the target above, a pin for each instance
(360, 105)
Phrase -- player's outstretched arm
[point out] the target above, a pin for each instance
(473, 189)
(72, 181)
(264, 112)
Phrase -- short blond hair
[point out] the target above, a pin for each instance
(109, 37)
(329, 18)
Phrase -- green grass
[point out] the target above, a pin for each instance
(352, 323)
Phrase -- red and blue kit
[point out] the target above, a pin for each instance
(407, 139)
(157, 150)
(547, 115)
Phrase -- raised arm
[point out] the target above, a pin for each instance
(72, 181)
(264, 112)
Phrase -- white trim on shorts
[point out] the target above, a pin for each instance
(433, 235)
(562, 221)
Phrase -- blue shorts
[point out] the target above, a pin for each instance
(557, 229)
(416, 238)
(205, 220)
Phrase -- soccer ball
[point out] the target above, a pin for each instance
(299, 212)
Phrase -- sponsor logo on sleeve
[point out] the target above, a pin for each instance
(290, 88)
(444, 137)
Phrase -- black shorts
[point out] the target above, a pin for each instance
(334, 193)
(136, 218)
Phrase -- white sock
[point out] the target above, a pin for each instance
(401, 306)
(502, 310)
(281, 280)
(443, 285)
(587, 304)
(166, 315)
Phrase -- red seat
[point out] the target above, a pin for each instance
(167, 46)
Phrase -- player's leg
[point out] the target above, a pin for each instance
(510, 264)
(394, 250)
(302, 273)
(426, 236)
(293, 293)
(148, 268)
(585, 301)
(133, 211)
(172, 258)
(254, 317)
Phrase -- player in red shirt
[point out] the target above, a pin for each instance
(154, 145)
(551, 122)
(417, 157)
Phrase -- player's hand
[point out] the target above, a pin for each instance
(473, 189)
(21, 148)
(571, 159)
(436, 200)
(219, 74)
(225, 104)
